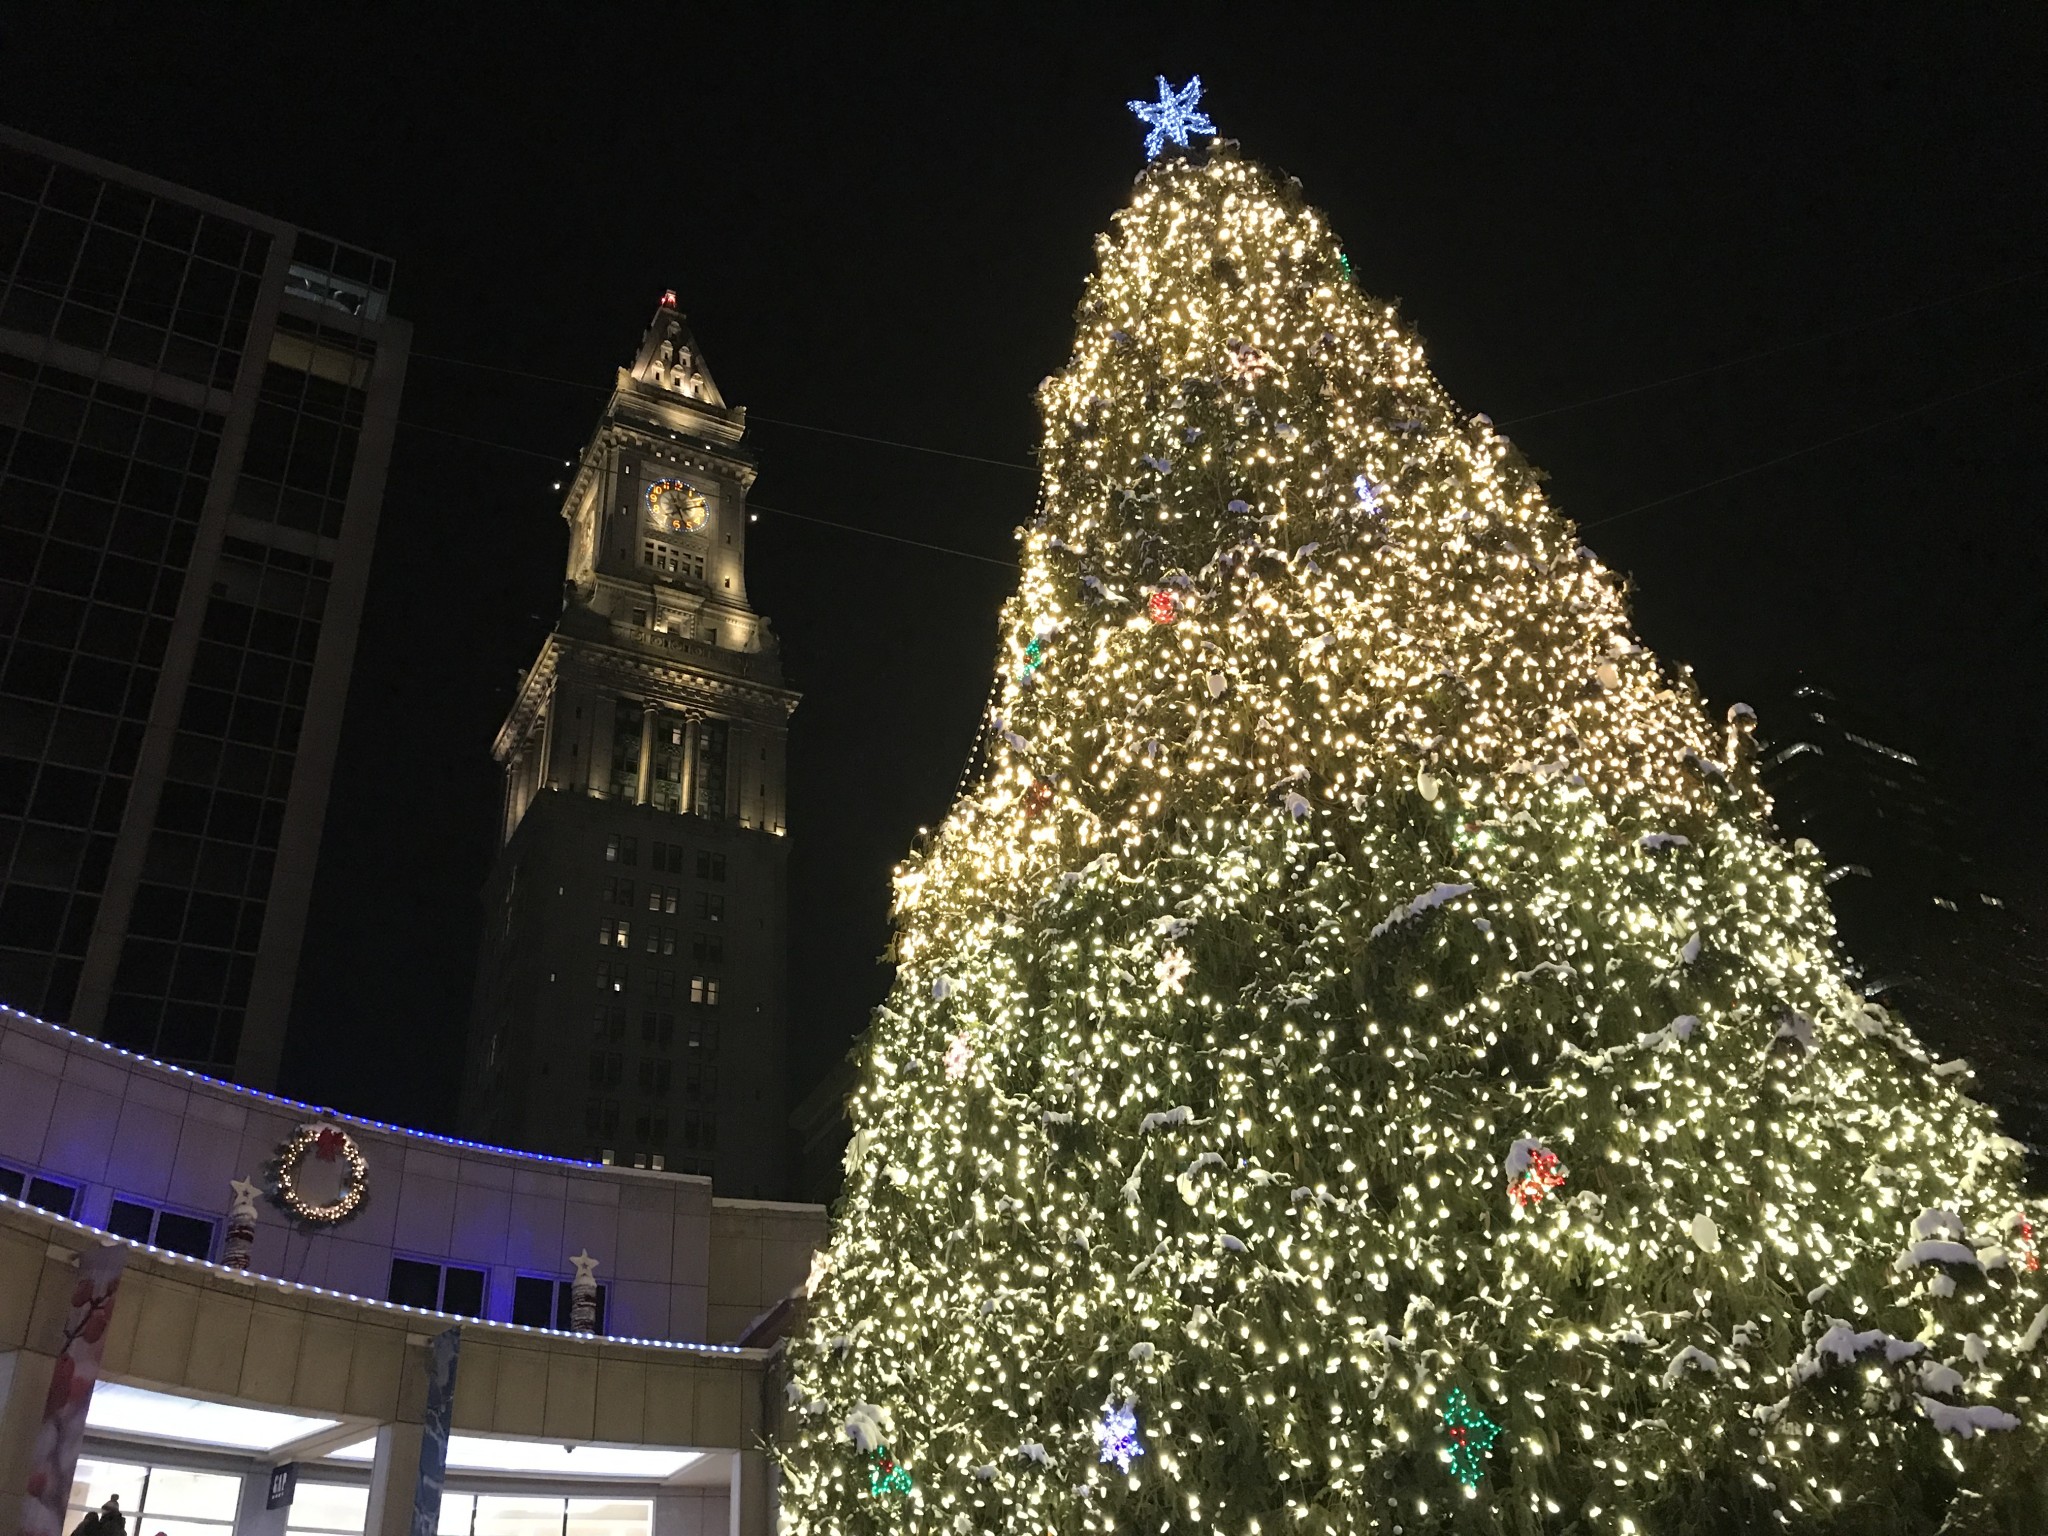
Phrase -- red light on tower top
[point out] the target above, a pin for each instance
(668, 298)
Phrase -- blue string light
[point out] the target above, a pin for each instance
(1172, 116)
(251, 1277)
(316, 1111)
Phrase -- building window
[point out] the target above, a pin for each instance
(172, 1230)
(622, 850)
(157, 1498)
(700, 1081)
(703, 1034)
(710, 866)
(495, 1514)
(664, 988)
(45, 1194)
(710, 908)
(605, 1069)
(658, 1029)
(704, 989)
(659, 556)
(437, 1287)
(600, 1116)
(611, 975)
(609, 1024)
(543, 1301)
(662, 898)
(654, 1077)
(327, 1509)
(618, 893)
(615, 932)
(667, 857)
(661, 941)
(707, 947)
(712, 737)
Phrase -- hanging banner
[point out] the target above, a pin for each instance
(54, 1459)
(442, 1350)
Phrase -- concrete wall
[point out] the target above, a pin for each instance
(195, 1329)
(116, 1125)
(760, 1253)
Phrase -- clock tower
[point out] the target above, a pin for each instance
(630, 989)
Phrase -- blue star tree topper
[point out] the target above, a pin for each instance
(1172, 116)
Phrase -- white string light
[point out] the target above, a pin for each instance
(1408, 1072)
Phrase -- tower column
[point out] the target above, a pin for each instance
(644, 786)
(689, 788)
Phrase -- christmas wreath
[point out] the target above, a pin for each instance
(320, 1175)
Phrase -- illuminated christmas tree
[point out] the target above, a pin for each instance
(1360, 1059)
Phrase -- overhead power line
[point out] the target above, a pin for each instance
(1598, 522)
(752, 415)
(1826, 442)
(752, 506)
(1783, 346)
(876, 533)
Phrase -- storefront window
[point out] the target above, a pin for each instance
(464, 1514)
(328, 1509)
(167, 1500)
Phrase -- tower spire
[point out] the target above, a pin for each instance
(669, 358)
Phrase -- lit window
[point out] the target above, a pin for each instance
(327, 1509)
(193, 1503)
(659, 556)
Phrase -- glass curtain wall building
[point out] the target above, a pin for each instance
(196, 411)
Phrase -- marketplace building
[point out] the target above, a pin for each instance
(305, 1312)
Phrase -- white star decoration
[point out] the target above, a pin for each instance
(1173, 116)
(1171, 970)
(586, 1267)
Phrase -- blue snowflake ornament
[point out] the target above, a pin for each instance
(1172, 116)
(1117, 1434)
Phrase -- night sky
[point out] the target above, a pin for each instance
(882, 228)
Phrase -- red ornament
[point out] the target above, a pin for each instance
(2030, 1254)
(1163, 608)
(1542, 1177)
(1038, 798)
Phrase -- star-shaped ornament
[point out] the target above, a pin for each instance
(245, 1196)
(586, 1267)
(1173, 116)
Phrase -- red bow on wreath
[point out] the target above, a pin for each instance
(328, 1144)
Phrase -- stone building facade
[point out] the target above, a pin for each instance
(630, 994)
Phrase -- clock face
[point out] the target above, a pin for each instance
(675, 506)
